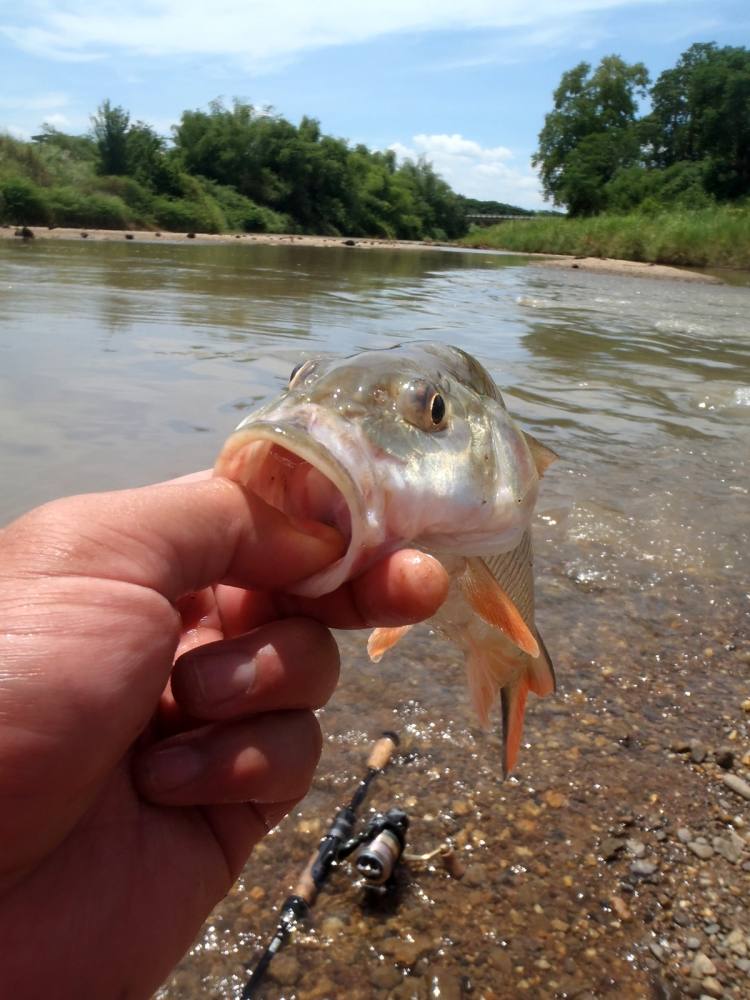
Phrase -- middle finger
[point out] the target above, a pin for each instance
(286, 664)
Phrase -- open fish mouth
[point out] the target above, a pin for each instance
(291, 471)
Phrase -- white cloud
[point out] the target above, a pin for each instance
(259, 32)
(475, 170)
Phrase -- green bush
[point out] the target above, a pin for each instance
(187, 216)
(70, 207)
(22, 203)
(128, 190)
(244, 215)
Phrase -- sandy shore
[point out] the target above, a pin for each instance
(594, 264)
(261, 239)
(621, 268)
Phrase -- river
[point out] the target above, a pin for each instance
(123, 364)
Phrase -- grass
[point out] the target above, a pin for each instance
(710, 237)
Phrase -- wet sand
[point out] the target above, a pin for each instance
(594, 264)
(624, 268)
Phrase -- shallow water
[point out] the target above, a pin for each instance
(124, 364)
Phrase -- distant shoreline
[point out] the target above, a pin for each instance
(624, 268)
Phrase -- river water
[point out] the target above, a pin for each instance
(123, 364)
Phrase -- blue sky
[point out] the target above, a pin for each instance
(466, 84)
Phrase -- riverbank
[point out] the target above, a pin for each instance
(163, 236)
(717, 237)
(595, 264)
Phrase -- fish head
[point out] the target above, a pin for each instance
(410, 445)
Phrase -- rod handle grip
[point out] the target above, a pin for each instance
(382, 751)
(306, 888)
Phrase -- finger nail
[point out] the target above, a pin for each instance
(223, 678)
(172, 767)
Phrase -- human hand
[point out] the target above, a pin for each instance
(128, 805)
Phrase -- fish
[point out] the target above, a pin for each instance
(413, 446)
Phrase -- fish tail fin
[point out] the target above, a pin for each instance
(511, 675)
(541, 672)
(483, 683)
(513, 697)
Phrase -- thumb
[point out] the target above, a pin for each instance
(172, 538)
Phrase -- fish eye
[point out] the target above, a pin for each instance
(437, 409)
(423, 406)
(300, 372)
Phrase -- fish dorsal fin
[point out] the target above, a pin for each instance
(542, 455)
(381, 640)
(514, 572)
(488, 599)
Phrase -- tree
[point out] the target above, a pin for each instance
(701, 113)
(591, 133)
(110, 127)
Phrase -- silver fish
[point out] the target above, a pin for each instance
(413, 446)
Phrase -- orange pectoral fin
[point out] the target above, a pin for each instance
(381, 640)
(488, 599)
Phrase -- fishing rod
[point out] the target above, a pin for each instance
(385, 836)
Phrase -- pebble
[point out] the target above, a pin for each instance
(680, 746)
(285, 969)
(698, 752)
(727, 849)
(445, 985)
(684, 835)
(475, 875)
(331, 926)
(712, 987)
(737, 785)
(620, 908)
(693, 943)
(636, 848)
(702, 966)
(700, 849)
(736, 941)
(656, 950)
(643, 867)
(385, 976)
(610, 847)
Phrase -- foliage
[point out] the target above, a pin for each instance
(591, 133)
(22, 203)
(718, 236)
(693, 147)
(110, 128)
(315, 179)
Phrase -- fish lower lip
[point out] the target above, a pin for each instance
(288, 470)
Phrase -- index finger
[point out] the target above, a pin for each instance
(403, 588)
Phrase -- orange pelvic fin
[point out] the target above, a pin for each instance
(513, 697)
(381, 640)
(488, 599)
